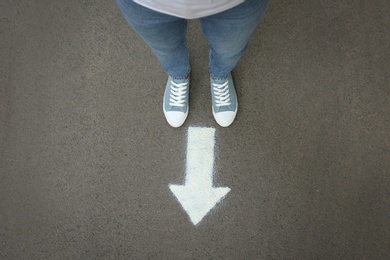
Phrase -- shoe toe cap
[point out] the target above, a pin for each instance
(225, 118)
(175, 118)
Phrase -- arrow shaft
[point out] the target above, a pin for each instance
(200, 157)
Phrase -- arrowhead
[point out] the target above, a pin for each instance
(197, 202)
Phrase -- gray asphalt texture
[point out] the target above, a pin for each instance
(87, 156)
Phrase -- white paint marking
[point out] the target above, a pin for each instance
(197, 195)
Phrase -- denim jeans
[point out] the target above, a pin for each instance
(227, 34)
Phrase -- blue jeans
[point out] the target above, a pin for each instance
(227, 34)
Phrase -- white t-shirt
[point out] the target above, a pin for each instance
(189, 9)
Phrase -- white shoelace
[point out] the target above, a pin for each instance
(178, 94)
(221, 94)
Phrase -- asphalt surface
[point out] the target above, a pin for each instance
(87, 157)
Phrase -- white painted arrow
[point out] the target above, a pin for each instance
(198, 196)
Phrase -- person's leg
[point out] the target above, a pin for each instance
(164, 34)
(228, 34)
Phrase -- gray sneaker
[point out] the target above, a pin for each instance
(224, 100)
(175, 104)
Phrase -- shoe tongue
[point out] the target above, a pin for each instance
(179, 81)
(219, 81)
